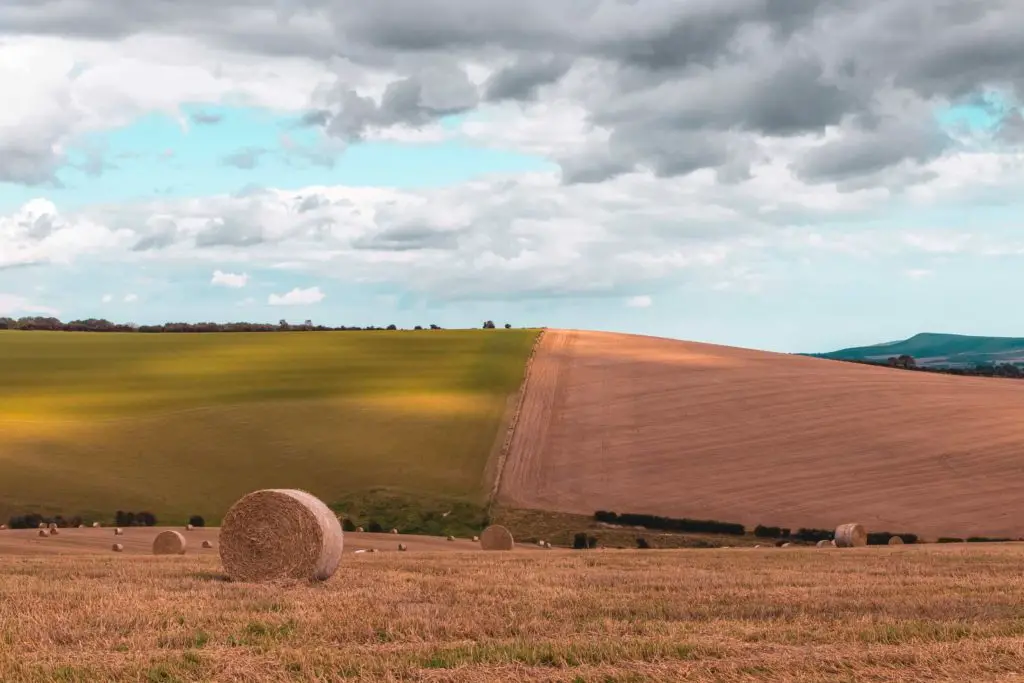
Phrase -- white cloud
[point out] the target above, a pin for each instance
(12, 304)
(233, 280)
(642, 301)
(297, 297)
(918, 273)
(131, 298)
(107, 298)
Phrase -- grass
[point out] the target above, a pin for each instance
(878, 614)
(182, 424)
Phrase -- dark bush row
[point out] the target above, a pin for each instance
(197, 521)
(33, 519)
(583, 541)
(762, 531)
(122, 518)
(703, 526)
(985, 539)
(882, 537)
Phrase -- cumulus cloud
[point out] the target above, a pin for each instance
(232, 280)
(641, 301)
(297, 297)
(12, 304)
(131, 298)
(107, 298)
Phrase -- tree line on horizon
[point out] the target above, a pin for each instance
(908, 362)
(52, 324)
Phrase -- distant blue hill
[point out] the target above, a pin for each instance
(932, 349)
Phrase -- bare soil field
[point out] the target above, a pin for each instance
(641, 424)
(139, 541)
(914, 613)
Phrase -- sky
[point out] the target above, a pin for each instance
(789, 175)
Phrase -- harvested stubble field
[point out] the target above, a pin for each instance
(641, 424)
(932, 613)
(182, 424)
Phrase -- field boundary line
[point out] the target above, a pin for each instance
(514, 421)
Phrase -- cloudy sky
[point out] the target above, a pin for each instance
(795, 175)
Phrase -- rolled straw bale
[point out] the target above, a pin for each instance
(496, 537)
(42, 525)
(786, 545)
(359, 529)
(118, 531)
(53, 531)
(757, 546)
(3, 527)
(207, 544)
(451, 538)
(541, 543)
(42, 532)
(189, 527)
(394, 531)
(280, 534)
(476, 539)
(117, 547)
(403, 547)
(851, 535)
(95, 525)
(53, 525)
(169, 543)
(81, 526)
(824, 544)
(895, 540)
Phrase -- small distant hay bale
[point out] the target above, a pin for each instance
(43, 533)
(53, 531)
(118, 531)
(117, 547)
(42, 525)
(403, 547)
(823, 544)
(95, 525)
(3, 527)
(276, 534)
(359, 529)
(53, 525)
(541, 543)
(476, 539)
(189, 527)
(895, 540)
(757, 546)
(496, 537)
(451, 538)
(169, 543)
(851, 535)
(207, 544)
(394, 531)
(372, 550)
(81, 526)
(787, 545)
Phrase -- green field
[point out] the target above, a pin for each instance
(182, 424)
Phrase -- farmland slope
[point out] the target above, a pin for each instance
(183, 424)
(641, 424)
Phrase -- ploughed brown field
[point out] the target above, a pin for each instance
(641, 424)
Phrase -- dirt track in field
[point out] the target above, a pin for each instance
(139, 541)
(642, 424)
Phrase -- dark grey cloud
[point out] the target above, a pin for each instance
(159, 234)
(246, 159)
(522, 79)
(408, 238)
(27, 161)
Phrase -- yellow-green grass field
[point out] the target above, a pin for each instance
(913, 613)
(181, 424)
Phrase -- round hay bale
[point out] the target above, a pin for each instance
(394, 531)
(42, 525)
(169, 543)
(496, 537)
(53, 525)
(95, 525)
(189, 527)
(476, 539)
(895, 540)
(3, 527)
(451, 538)
(42, 532)
(359, 529)
(823, 544)
(118, 531)
(787, 545)
(81, 526)
(403, 547)
(53, 531)
(117, 547)
(207, 544)
(541, 543)
(851, 535)
(757, 546)
(280, 534)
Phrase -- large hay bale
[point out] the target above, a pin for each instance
(117, 547)
(169, 543)
(851, 535)
(496, 537)
(895, 540)
(280, 534)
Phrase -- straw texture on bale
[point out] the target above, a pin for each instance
(895, 540)
(207, 544)
(117, 547)
(277, 534)
(118, 531)
(496, 537)
(169, 543)
(851, 535)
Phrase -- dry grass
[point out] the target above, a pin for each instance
(681, 429)
(880, 614)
